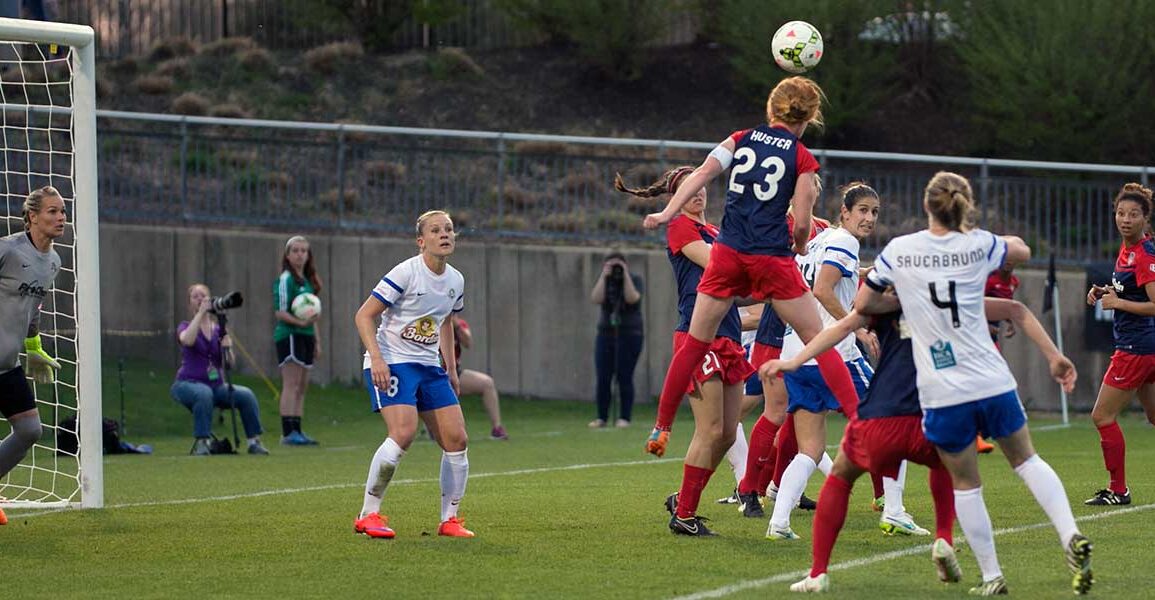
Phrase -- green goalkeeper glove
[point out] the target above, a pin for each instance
(40, 366)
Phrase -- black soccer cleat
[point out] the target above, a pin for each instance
(750, 505)
(692, 526)
(806, 503)
(672, 504)
(1109, 498)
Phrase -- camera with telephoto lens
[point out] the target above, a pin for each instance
(222, 303)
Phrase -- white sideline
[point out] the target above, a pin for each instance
(335, 486)
(885, 556)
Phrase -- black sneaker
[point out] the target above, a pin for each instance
(1109, 498)
(806, 503)
(750, 505)
(731, 499)
(692, 526)
(672, 504)
(1079, 561)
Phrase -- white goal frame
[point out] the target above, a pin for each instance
(87, 266)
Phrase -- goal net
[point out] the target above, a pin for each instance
(48, 137)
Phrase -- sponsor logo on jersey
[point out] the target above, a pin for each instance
(452, 293)
(942, 354)
(422, 331)
(31, 289)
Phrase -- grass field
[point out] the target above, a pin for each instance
(560, 511)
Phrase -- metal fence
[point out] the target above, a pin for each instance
(131, 27)
(317, 176)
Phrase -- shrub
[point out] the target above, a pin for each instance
(644, 206)
(507, 223)
(257, 60)
(541, 148)
(585, 183)
(174, 67)
(230, 46)
(153, 84)
(449, 63)
(228, 110)
(383, 172)
(571, 222)
(190, 103)
(170, 48)
(348, 200)
(618, 221)
(515, 197)
(329, 58)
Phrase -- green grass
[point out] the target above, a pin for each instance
(560, 511)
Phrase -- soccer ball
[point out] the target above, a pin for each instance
(797, 46)
(306, 306)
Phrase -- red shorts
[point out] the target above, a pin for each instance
(725, 358)
(763, 353)
(731, 274)
(1130, 371)
(880, 445)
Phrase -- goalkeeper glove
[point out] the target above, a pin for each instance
(40, 366)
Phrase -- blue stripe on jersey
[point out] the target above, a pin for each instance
(393, 285)
(994, 244)
(381, 298)
(845, 272)
(844, 251)
(885, 262)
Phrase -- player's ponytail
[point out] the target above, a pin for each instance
(949, 200)
(794, 101)
(1135, 192)
(35, 201)
(667, 184)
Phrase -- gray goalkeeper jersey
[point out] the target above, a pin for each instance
(26, 275)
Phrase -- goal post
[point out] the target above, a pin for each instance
(48, 97)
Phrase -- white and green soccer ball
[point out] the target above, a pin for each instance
(797, 46)
(306, 306)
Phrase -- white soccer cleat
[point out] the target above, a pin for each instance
(945, 561)
(903, 524)
(812, 584)
(774, 532)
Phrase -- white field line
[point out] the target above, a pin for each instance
(336, 486)
(885, 556)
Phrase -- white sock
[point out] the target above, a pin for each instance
(381, 470)
(976, 525)
(793, 484)
(892, 491)
(1048, 490)
(454, 473)
(736, 455)
(825, 464)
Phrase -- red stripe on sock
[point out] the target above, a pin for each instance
(1114, 455)
(682, 366)
(833, 500)
(694, 480)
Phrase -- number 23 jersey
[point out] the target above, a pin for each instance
(940, 282)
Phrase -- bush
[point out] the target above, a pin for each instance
(609, 34)
(618, 221)
(449, 63)
(857, 75)
(170, 48)
(571, 222)
(230, 46)
(257, 60)
(515, 197)
(507, 223)
(383, 172)
(190, 103)
(228, 110)
(153, 84)
(329, 58)
(1064, 83)
(174, 67)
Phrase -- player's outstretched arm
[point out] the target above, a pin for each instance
(1062, 369)
(870, 301)
(825, 340)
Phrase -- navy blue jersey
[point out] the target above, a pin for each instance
(767, 163)
(771, 328)
(894, 389)
(681, 231)
(1134, 269)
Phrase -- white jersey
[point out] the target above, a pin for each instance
(940, 282)
(418, 302)
(834, 246)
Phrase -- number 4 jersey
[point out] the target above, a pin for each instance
(940, 282)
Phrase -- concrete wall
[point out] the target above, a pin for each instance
(533, 323)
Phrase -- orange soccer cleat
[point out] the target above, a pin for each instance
(374, 526)
(656, 443)
(983, 446)
(454, 527)
(3, 517)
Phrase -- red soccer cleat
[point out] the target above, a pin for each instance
(454, 527)
(374, 526)
(3, 517)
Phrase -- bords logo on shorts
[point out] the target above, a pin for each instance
(422, 331)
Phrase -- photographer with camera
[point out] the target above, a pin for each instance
(298, 341)
(620, 335)
(200, 385)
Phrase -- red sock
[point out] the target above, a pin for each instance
(787, 448)
(876, 480)
(942, 491)
(682, 366)
(761, 455)
(694, 480)
(833, 500)
(1114, 455)
(837, 377)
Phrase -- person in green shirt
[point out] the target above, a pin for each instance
(298, 341)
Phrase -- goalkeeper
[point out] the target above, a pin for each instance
(28, 266)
